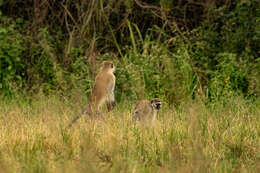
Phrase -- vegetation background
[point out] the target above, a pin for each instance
(201, 57)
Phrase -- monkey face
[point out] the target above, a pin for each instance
(109, 65)
(113, 67)
(156, 103)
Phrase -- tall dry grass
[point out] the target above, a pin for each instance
(191, 138)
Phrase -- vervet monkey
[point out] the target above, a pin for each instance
(146, 110)
(102, 92)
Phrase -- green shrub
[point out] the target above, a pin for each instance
(11, 57)
(172, 50)
(229, 77)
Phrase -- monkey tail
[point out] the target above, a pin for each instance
(77, 117)
(73, 121)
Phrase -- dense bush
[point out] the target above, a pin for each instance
(11, 56)
(176, 50)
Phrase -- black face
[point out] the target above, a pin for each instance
(158, 105)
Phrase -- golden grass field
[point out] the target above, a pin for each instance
(190, 138)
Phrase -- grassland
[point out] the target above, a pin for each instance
(190, 138)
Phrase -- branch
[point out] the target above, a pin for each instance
(147, 6)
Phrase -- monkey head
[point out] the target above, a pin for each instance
(156, 103)
(107, 65)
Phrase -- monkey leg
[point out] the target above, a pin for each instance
(136, 117)
(110, 105)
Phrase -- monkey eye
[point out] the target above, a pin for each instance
(112, 65)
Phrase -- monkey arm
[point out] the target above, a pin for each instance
(111, 97)
(110, 91)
